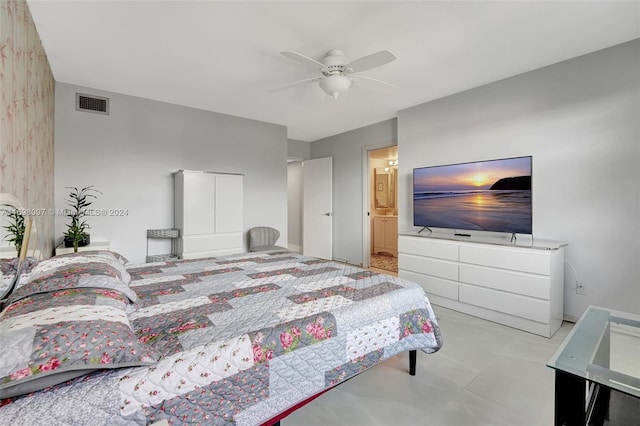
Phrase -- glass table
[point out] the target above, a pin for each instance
(597, 370)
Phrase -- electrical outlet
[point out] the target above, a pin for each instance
(580, 288)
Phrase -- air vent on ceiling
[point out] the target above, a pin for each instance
(90, 103)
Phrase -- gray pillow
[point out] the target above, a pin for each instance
(49, 338)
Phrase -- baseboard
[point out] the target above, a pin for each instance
(570, 318)
(295, 248)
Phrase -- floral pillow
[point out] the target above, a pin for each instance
(63, 261)
(10, 266)
(51, 338)
(8, 270)
(75, 272)
(100, 253)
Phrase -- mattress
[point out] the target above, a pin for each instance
(241, 339)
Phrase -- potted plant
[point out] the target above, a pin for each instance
(15, 228)
(78, 201)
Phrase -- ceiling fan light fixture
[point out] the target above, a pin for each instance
(336, 71)
(335, 85)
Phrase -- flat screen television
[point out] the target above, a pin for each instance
(492, 195)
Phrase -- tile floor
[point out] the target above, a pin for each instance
(384, 261)
(485, 374)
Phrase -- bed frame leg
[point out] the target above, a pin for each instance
(412, 362)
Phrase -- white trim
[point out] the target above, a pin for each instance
(366, 216)
(366, 206)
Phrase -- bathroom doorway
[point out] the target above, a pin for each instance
(383, 208)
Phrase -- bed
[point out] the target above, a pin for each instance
(240, 339)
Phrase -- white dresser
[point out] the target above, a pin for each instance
(208, 212)
(517, 285)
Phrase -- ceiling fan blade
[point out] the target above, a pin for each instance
(364, 77)
(296, 83)
(371, 61)
(304, 60)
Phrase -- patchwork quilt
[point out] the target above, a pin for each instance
(240, 339)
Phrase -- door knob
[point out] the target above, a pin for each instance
(328, 214)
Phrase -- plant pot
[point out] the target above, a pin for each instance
(68, 242)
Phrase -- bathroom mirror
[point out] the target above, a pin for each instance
(386, 187)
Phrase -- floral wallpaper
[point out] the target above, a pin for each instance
(26, 120)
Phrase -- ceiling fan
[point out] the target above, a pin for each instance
(338, 72)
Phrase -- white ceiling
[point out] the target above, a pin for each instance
(224, 56)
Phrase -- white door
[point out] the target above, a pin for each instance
(199, 203)
(228, 203)
(317, 208)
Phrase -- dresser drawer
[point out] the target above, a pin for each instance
(512, 282)
(432, 285)
(512, 304)
(445, 250)
(426, 265)
(211, 242)
(524, 260)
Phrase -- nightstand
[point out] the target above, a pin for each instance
(95, 245)
(10, 252)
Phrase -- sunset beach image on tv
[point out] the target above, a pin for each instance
(493, 195)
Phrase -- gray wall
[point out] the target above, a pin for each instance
(579, 119)
(346, 150)
(130, 154)
(298, 150)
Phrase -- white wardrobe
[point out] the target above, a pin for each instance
(208, 213)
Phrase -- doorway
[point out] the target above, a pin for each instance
(382, 206)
